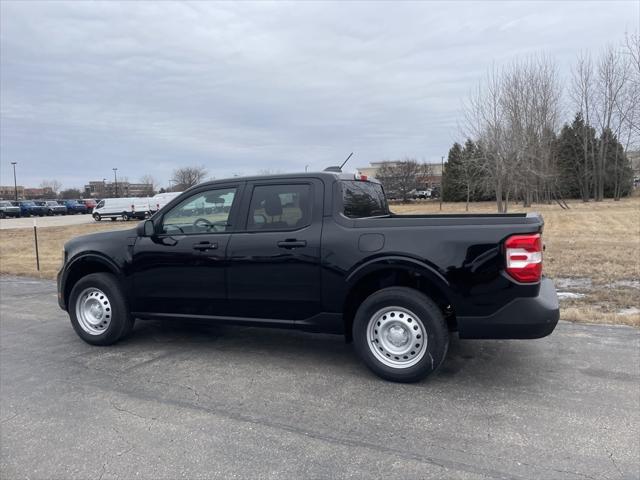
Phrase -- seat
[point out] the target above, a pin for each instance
(273, 208)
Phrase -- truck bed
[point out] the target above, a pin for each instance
(455, 219)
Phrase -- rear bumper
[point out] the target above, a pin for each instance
(527, 317)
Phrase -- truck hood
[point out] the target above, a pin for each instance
(96, 242)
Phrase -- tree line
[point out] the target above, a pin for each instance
(516, 149)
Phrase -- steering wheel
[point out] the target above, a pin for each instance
(204, 223)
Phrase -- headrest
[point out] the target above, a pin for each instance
(272, 205)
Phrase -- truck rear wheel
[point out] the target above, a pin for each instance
(98, 310)
(400, 334)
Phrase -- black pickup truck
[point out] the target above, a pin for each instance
(319, 252)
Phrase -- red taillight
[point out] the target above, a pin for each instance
(524, 257)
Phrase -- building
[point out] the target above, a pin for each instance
(9, 192)
(434, 179)
(102, 189)
(35, 193)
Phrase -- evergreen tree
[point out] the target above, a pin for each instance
(451, 191)
(574, 151)
(618, 181)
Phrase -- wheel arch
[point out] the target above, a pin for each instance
(83, 266)
(385, 272)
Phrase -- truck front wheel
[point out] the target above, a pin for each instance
(98, 310)
(400, 334)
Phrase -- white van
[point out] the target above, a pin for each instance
(160, 200)
(124, 208)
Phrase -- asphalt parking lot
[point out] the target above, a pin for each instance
(194, 401)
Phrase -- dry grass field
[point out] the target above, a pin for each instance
(592, 252)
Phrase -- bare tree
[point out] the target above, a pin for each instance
(54, 185)
(530, 100)
(485, 122)
(187, 177)
(513, 116)
(582, 96)
(148, 179)
(470, 171)
(632, 95)
(613, 74)
(632, 48)
(401, 177)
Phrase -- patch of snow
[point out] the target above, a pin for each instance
(572, 282)
(625, 283)
(629, 311)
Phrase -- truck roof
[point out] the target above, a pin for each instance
(325, 175)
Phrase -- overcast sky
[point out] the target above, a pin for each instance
(243, 87)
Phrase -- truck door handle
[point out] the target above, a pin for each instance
(292, 243)
(204, 246)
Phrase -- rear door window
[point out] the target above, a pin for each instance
(280, 207)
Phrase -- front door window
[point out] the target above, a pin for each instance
(204, 212)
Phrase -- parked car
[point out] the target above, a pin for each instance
(29, 208)
(75, 206)
(52, 207)
(422, 194)
(123, 208)
(318, 252)
(8, 209)
(160, 200)
(90, 203)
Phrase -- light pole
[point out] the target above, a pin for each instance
(306, 168)
(115, 177)
(441, 177)
(15, 184)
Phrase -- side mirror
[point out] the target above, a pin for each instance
(146, 229)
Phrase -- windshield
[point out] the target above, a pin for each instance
(28, 204)
(363, 199)
(5, 204)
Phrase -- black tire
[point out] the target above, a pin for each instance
(428, 314)
(97, 217)
(121, 321)
(1, 214)
(125, 217)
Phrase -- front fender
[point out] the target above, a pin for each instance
(82, 263)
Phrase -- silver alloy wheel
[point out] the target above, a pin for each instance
(396, 337)
(93, 311)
